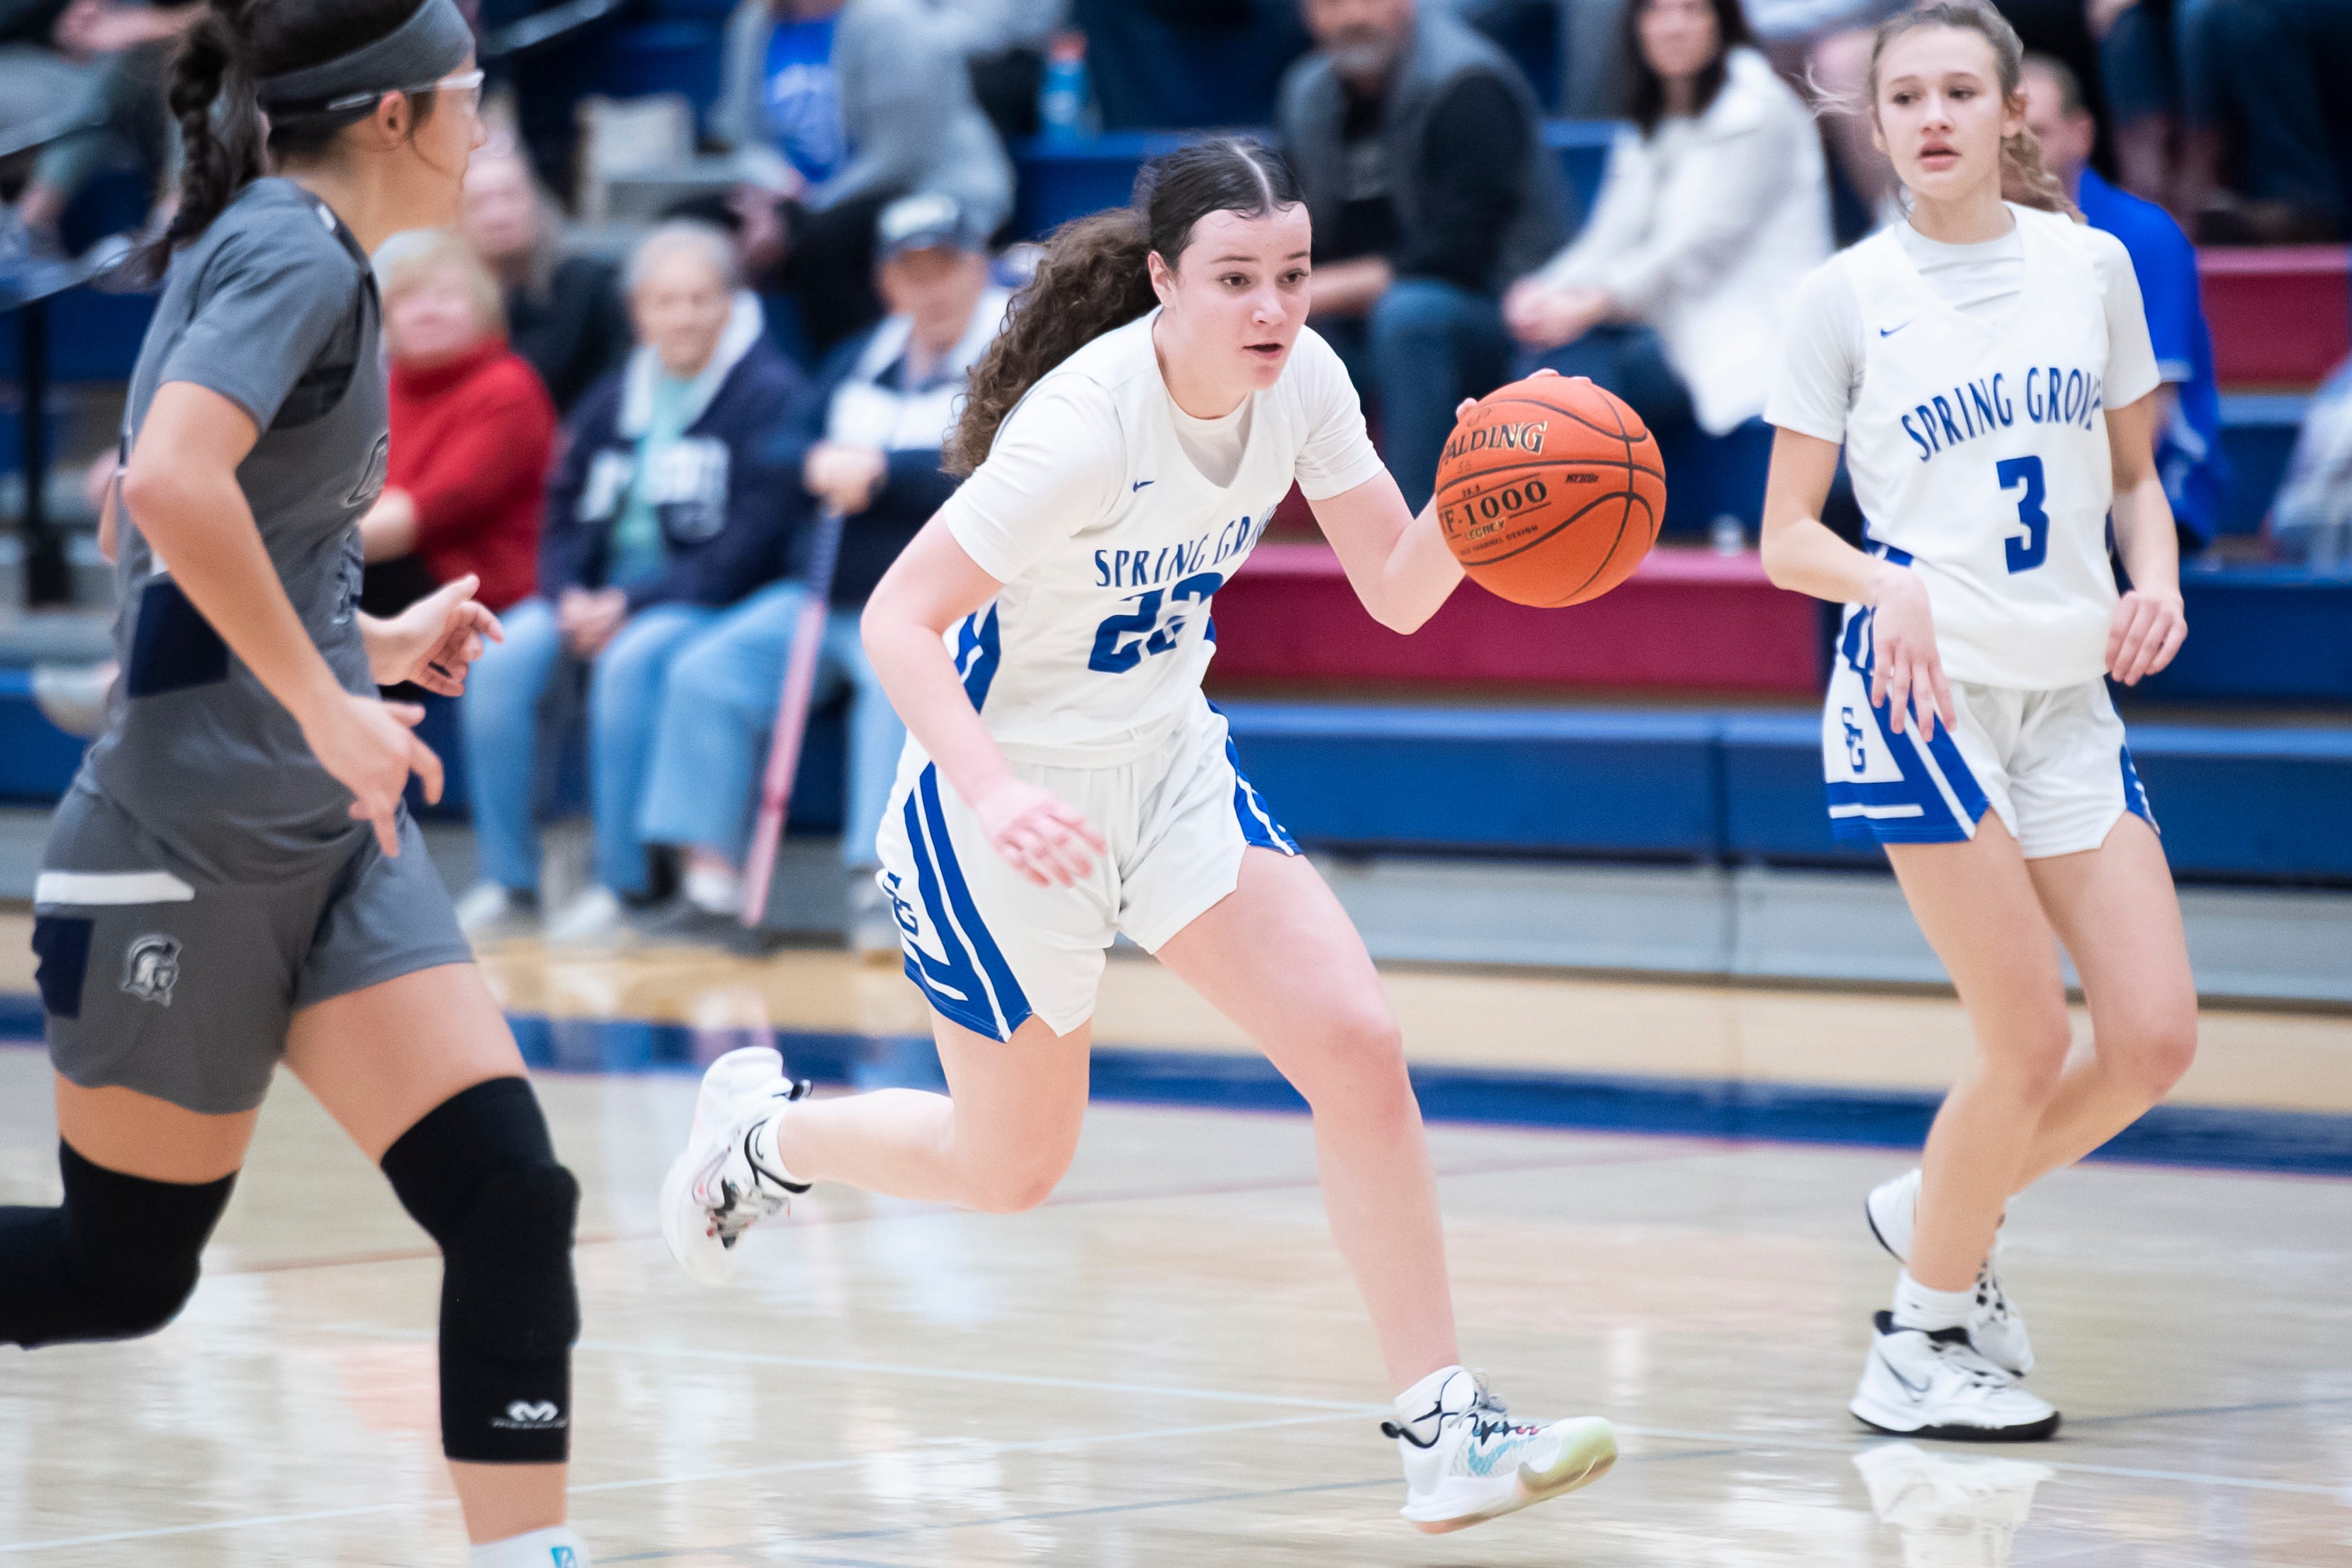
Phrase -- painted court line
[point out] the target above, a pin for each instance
(956, 1451)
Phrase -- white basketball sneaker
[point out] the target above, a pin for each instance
(1995, 1325)
(1466, 1461)
(1922, 1385)
(716, 1189)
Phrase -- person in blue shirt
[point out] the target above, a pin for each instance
(2189, 420)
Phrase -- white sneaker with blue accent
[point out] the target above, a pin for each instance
(1466, 1461)
(1919, 1384)
(1995, 1325)
(716, 1189)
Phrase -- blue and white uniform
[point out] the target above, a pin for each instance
(1111, 518)
(1970, 384)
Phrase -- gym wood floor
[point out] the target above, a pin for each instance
(1166, 1363)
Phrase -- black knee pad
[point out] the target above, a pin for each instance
(479, 1173)
(117, 1259)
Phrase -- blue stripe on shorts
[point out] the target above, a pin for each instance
(982, 995)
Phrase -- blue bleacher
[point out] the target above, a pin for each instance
(2235, 804)
(1061, 179)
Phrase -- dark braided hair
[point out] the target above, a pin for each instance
(212, 95)
(1094, 276)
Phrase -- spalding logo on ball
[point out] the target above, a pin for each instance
(1551, 491)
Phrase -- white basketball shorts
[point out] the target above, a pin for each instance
(2052, 764)
(990, 949)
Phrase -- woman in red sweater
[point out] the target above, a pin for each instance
(472, 431)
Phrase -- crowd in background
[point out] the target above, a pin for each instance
(627, 455)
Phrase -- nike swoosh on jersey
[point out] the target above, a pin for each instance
(1890, 331)
(1139, 484)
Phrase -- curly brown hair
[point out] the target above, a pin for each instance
(1095, 276)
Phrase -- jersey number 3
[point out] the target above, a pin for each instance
(2025, 554)
(1123, 641)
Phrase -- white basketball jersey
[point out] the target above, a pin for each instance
(1978, 452)
(1100, 642)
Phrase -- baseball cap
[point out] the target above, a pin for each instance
(927, 221)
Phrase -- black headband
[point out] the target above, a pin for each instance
(433, 42)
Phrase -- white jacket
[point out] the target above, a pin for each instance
(1704, 231)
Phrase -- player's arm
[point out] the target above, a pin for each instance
(1398, 563)
(2150, 624)
(932, 585)
(181, 487)
(1803, 555)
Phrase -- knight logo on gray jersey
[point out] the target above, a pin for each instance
(370, 485)
(151, 968)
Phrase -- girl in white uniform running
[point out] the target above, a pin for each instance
(1986, 365)
(1152, 398)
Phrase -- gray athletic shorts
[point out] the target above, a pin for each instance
(157, 978)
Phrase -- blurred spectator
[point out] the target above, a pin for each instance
(2189, 422)
(2266, 89)
(2310, 521)
(1005, 43)
(866, 439)
(1417, 144)
(664, 509)
(2137, 74)
(840, 107)
(1163, 64)
(1714, 205)
(472, 430)
(39, 85)
(118, 105)
(563, 313)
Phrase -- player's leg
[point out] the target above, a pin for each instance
(2115, 910)
(423, 1073)
(1976, 905)
(998, 1140)
(145, 1181)
(1280, 957)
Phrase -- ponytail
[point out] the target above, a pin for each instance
(2024, 177)
(2026, 180)
(1096, 276)
(211, 97)
(1093, 279)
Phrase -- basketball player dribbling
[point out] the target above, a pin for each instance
(232, 879)
(1152, 398)
(1986, 366)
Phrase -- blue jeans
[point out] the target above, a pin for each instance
(712, 751)
(1629, 360)
(501, 718)
(2261, 64)
(1425, 347)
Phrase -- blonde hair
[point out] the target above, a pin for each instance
(2025, 179)
(406, 260)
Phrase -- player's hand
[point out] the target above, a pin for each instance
(2147, 630)
(1906, 672)
(434, 641)
(370, 749)
(1045, 838)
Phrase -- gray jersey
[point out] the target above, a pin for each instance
(274, 308)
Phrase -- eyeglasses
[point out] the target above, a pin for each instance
(463, 81)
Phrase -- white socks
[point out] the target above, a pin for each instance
(712, 888)
(556, 1548)
(1917, 1307)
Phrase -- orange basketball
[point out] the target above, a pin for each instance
(1551, 491)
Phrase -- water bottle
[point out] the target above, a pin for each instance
(1065, 108)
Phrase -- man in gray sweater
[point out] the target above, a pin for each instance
(843, 106)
